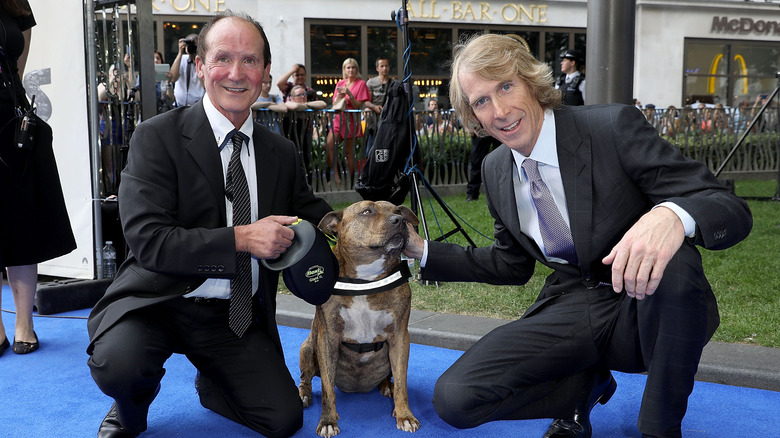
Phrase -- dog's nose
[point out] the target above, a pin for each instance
(396, 219)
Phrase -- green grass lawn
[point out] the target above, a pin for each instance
(745, 278)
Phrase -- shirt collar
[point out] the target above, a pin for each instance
(545, 150)
(221, 126)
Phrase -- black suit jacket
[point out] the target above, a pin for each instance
(172, 206)
(614, 167)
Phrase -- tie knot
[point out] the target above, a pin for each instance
(531, 169)
(238, 138)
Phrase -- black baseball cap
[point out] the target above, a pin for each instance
(309, 267)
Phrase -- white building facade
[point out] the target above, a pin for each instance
(711, 51)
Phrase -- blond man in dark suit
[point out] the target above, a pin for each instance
(627, 291)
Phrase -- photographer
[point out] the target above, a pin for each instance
(187, 88)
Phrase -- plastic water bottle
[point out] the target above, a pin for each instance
(109, 260)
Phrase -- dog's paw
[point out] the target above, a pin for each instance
(409, 424)
(306, 401)
(328, 430)
(386, 388)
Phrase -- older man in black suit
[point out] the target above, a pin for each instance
(595, 194)
(192, 216)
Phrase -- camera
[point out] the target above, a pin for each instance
(192, 46)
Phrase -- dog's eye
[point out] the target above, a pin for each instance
(367, 211)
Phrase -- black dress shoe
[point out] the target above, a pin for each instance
(470, 198)
(579, 425)
(4, 346)
(25, 347)
(112, 428)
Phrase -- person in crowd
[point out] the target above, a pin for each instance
(480, 147)
(347, 126)
(670, 123)
(571, 82)
(433, 121)
(192, 283)
(163, 88)
(301, 123)
(595, 194)
(187, 87)
(742, 116)
(767, 121)
(34, 225)
(377, 86)
(270, 107)
(637, 103)
(651, 116)
(298, 75)
(719, 122)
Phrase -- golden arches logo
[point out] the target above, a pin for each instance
(714, 69)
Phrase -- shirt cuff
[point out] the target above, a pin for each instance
(424, 258)
(688, 222)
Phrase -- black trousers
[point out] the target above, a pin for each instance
(541, 365)
(244, 379)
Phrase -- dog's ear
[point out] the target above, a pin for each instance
(329, 224)
(408, 215)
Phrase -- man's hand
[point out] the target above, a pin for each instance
(416, 245)
(267, 238)
(640, 258)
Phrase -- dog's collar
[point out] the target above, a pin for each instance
(353, 287)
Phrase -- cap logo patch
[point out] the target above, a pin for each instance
(315, 273)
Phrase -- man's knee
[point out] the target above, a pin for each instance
(285, 422)
(120, 375)
(455, 405)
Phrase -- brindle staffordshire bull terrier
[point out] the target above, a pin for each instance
(359, 338)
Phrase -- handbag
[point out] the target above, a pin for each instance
(339, 105)
(25, 120)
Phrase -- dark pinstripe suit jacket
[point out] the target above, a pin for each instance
(614, 168)
(172, 206)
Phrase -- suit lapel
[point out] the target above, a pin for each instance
(575, 161)
(267, 171)
(199, 140)
(505, 184)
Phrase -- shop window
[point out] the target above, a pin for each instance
(431, 50)
(382, 41)
(729, 72)
(173, 31)
(332, 44)
(554, 44)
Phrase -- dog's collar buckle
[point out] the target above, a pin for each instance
(352, 287)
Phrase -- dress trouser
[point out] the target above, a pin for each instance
(541, 365)
(243, 379)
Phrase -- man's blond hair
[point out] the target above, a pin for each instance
(497, 57)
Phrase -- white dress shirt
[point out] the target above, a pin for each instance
(219, 287)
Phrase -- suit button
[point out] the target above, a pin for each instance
(199, 268)
(221, 268)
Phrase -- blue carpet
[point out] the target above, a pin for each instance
(50, 394)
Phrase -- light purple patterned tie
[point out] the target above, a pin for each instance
(237, 192)
(555, 233)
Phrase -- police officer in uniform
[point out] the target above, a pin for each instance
(572, 80)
